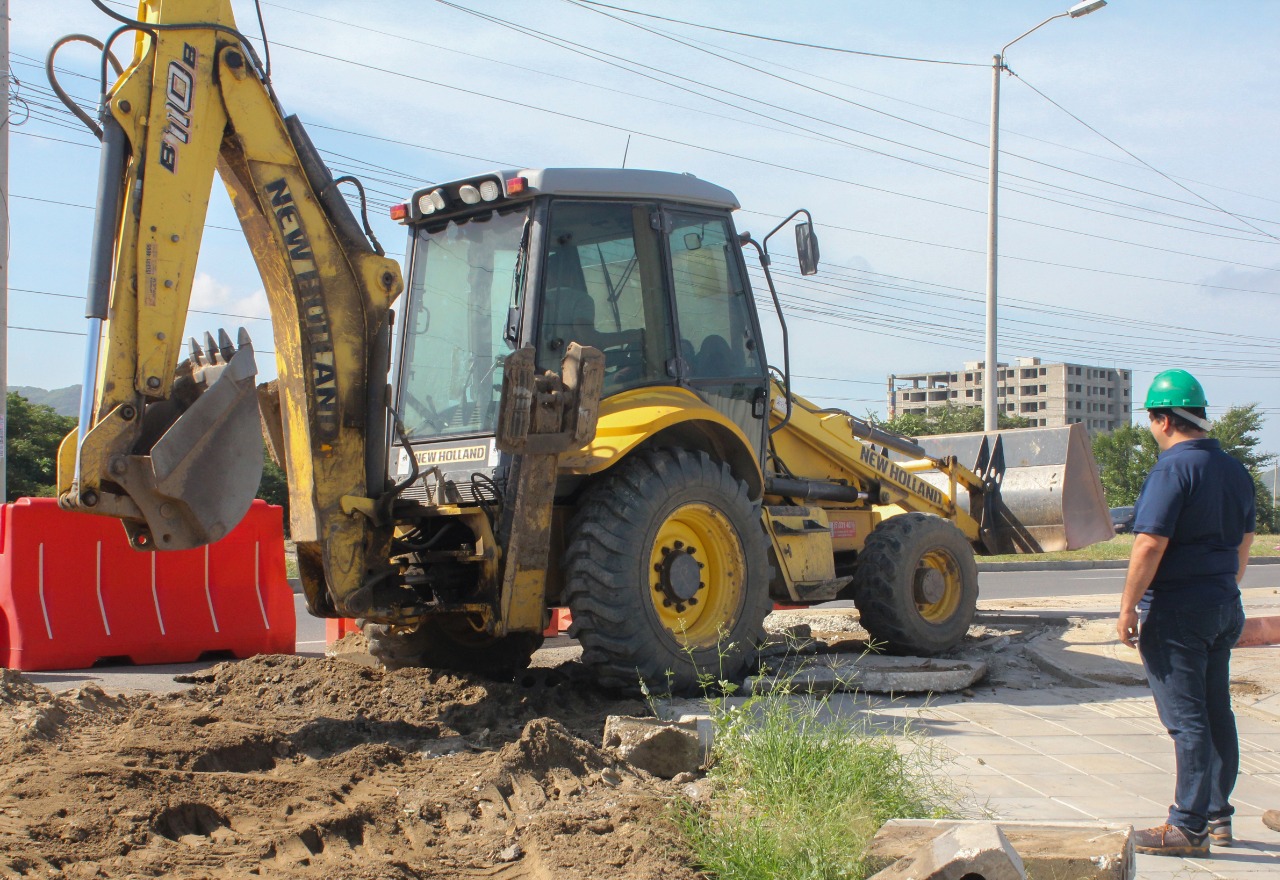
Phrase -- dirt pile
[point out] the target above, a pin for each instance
(305, 767)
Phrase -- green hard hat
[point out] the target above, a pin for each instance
(1175, 388)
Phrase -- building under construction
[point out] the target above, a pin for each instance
(1048, 394)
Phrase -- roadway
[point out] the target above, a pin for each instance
(1040, 584)
(310, 640)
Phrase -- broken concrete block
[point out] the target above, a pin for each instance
(964, 851)
(663, 748)
(872, 673)
(1049, 850)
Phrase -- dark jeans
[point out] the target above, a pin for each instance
(1187, 655)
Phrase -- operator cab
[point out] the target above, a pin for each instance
(644, 265)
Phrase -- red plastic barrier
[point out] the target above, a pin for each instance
(337, 627)
(73, 592)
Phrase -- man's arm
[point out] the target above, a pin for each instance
(1243, 552)
(1145, 558)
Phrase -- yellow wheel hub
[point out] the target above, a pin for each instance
(697, 575)
(938, 586)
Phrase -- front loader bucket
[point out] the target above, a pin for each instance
(1049, 496)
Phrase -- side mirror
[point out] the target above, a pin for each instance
(807, 248)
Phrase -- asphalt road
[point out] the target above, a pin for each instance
(1085, 582)
(310, 638)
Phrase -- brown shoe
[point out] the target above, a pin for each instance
(1271, 818)
(1170, 840)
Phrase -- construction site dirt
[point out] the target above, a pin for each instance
(293, 767)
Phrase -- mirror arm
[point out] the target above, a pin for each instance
(745, 238)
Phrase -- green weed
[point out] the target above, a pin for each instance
(798, 790)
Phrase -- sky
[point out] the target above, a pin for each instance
(1139, 214)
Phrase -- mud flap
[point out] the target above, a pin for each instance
(1043, 494)
(197, 480)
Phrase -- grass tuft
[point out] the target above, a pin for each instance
(797, 790)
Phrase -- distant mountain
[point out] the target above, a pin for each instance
(64, 401)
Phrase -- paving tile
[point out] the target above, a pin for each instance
(1066, 744)
(1230, 863)
(1021, 728)
(1153, 786)
(1119, 807)
(985, 745)
(1033, 809)
(1019, 766)
(1113, 763)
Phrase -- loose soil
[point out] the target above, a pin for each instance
(298, 767)
(310, 767)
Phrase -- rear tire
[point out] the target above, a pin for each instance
(916, 585)
(436, 645)
(666, 573)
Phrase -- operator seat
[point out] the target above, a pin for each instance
(715, 359)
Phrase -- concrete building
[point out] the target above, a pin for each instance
(1049, 394)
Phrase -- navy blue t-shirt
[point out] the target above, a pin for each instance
(1202, 500)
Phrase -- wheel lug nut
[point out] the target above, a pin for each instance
(679, 544)
(666, 603)
(666, 551)
(693, 600)
(701, 584)
(679, 607)
(657, 566)
(657, 588)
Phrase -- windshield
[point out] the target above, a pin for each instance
(465, 280)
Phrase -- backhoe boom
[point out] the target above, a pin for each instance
(175, 449)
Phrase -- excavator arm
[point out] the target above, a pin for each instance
(174, 449)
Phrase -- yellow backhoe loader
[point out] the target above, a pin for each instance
(580, 410)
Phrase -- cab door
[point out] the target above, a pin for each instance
(720, 352)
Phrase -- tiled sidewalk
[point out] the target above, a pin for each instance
(1071, 754)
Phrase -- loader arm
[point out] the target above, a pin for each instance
(175, 450)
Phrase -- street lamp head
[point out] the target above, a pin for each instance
(1085, 8)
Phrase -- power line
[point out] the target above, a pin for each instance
(779, 39)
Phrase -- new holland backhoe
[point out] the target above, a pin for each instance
(579, 410)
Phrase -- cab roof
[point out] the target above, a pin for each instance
(625, 183)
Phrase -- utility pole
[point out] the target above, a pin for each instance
(4, 250)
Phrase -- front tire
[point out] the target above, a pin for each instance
(456, 648)
(666, 574)
(916, 585)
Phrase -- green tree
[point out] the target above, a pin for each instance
(949, 419)
(31, 451)
(274, 488)
(1237, 431)
(1126, 455)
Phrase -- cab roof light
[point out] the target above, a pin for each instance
(400, 212)
(489, 190)
(517, 185)
(469, 194)
(429, 203)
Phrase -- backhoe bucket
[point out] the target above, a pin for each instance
(196, 477)
(1048, 495)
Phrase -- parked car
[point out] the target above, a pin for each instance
(1122, 519)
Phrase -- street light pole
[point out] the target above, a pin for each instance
(990, 419)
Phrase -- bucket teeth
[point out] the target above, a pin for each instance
(225, 346)
(242, 338)
(211, 348)
(196, 353)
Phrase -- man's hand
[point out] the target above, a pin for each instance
(1127, 628)
(1143, 562)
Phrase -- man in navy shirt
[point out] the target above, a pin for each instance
(1193, 525)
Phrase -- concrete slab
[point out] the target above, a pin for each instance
(1049, 850)
(872, 673)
